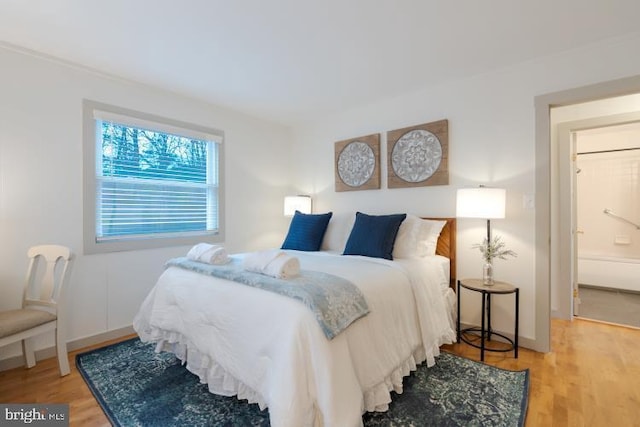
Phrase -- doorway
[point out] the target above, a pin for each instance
(593, 121)
(607, 234)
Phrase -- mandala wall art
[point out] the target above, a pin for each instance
(357, 163)
(418, 155)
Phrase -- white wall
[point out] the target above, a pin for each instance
(491, 141)
(41, 184)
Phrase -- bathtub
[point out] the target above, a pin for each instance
(609, 272)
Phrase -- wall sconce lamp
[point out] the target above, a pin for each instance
(297, 203)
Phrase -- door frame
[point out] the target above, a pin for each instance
(567, 206)
(547, 185)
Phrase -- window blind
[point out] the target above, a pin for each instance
(187, 130)
(152, 183)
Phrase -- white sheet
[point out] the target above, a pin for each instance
(269, 349)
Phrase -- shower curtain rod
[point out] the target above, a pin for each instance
(608, 151)
(611, 213)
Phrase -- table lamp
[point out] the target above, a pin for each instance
(481, 202)
(297, 203)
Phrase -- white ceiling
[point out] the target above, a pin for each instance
(289, 60)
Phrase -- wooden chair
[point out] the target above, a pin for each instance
(48, 272)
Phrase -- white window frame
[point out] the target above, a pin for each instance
(93, 112)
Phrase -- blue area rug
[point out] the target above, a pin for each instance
(137, 387)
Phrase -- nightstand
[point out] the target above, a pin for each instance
(484, 331)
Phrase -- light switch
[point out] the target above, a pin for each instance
(528, 201)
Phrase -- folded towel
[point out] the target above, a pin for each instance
(272, 263)
(210, 254)
(257, 261)
(283, 267)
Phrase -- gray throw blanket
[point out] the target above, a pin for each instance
(334, 301)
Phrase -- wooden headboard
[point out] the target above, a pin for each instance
(447, 247)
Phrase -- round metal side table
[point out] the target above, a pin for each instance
(484, 331)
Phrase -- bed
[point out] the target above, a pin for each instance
(270, 349)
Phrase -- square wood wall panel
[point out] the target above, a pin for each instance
(357, 163)
(418, 156)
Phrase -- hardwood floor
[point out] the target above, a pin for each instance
(589, 379)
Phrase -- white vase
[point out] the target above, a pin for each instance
(487, 274)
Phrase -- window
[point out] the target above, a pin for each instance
(149, 181)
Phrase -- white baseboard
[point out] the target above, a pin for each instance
(46, 353)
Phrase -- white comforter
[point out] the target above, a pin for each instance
(269, 349)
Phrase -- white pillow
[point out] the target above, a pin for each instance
(335, 238)
(406, 243)
(428, 234)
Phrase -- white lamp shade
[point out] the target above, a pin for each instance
(297, 203)
(481, 202)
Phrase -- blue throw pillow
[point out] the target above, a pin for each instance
(306, 231)
(374, 235)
